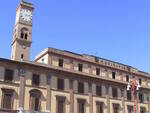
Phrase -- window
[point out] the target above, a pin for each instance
(60, 104)
(142, 110)
(113, 75)
(140, 81)
(97, 71)
(127, 78)
(80, 66)
(22, 56)
(128, 95)
(7, 98)
(61, 62)
(8, 75)
(130, 109)
(99, 107)
(98, 91)
(114, 92)
(80, 87)
(141, 97)
(60, 84)
(35, 100)
(35, 79)
(116, 108)
(24, 33)
(81, 106)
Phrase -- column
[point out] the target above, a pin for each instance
(71, 97)
(137, 100)
(48, 103)
(108, 99)
(122, 99)
(22, 73)
(90, 98)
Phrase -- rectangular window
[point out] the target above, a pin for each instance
(142, 110)
(8, 75)
(130, 109)
(113, 75)
(128, 95)
(141, 97)
(80, 66)
(98, 90)
(60, 104)
(81, 106)
(114, 92)
(35, 79)
(7, 99)
(61, 61)
(97, 71)
(127, 78)
(140, 81)
(80, 87)
(99, 107)
(116, 108)
(60, 84)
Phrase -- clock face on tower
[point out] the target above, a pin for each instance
(26, 15)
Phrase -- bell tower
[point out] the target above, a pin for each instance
(22, 37)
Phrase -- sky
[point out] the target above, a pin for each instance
(118, 30)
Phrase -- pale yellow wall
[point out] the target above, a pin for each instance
(54, 61)
(85, 68)
(75, 66)
(28, 78)
(93, 70)
(46, 59)
(16, 78)
(67, 64)
(103, 73)
(43, 80)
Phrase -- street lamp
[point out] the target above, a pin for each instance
(132, 86)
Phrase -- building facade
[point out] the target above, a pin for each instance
(64, 82)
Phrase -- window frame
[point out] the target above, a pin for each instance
(60, 84)
(80, 67)
(81, 87)
(6, 75)
(113, 75)
(34, 82)
(61, 62)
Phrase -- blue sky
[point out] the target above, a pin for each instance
(117, 30)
